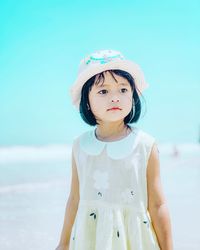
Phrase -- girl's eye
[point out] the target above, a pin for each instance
(103, 91)
(124, 89)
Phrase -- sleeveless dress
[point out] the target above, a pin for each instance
(112, 212)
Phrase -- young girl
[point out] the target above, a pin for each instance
(116, 200)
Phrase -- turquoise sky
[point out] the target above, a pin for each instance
(42, 42)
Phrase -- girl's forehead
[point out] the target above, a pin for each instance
(109, 84)
(109, 79)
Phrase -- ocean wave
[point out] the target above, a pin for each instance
(31, 187)
(20, 153)
(59, 152)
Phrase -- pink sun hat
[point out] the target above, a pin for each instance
(100, 61)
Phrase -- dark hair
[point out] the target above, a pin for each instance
(89, 117)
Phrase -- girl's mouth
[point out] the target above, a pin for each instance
(115, 108)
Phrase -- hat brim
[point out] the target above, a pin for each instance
(126, 65)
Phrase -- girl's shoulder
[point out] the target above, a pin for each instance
(147, 141)
(147, 137)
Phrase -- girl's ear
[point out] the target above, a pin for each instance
(88, 106)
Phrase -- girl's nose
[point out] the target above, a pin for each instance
(115, 100)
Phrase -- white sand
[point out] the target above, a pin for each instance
(34, 190)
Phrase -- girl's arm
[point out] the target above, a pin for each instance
(71, 209)
(157, 205)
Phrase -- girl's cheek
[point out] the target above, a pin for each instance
(127, 97)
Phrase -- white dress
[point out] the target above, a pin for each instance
(112, 212)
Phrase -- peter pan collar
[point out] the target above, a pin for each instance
(118, 149)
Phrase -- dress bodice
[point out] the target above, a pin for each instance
(113, 171)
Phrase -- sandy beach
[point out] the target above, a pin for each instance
(35, 182)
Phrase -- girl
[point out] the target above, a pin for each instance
(116, 200)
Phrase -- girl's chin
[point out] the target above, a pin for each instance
(114, 118)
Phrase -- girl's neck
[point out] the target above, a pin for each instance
(112, 131)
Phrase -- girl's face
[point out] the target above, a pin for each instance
(108, 94)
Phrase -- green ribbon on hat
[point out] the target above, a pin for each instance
(104, 59)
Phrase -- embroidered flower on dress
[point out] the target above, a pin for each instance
(127, 195)
(93, 214)
(101, 179)
(100, 194)
(118, 224)
(146, 222)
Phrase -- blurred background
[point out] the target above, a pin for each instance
(41, 45)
